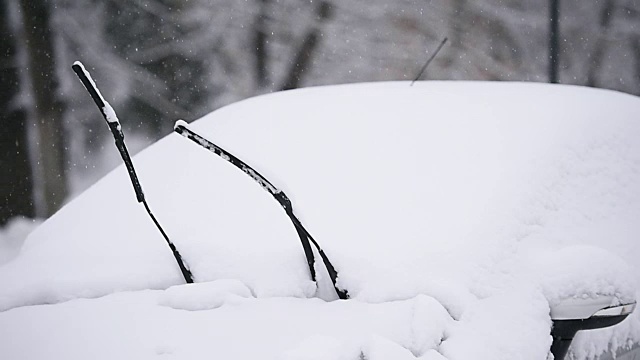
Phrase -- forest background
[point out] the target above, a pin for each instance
(157, 61)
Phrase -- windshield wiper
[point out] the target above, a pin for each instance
(305, 237)
(114, 124)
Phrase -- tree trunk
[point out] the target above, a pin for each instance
(45, 112)
(260, 45)
(554, 44)
(305, 52)
(635, 44)
(598, 54)
(15, 182)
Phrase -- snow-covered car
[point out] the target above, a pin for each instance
(464, 220)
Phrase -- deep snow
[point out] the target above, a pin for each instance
(455, 213)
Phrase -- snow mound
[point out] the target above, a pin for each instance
(320, 348)
(253, 328)
(515, 323)
(379, 348)
(204, 296)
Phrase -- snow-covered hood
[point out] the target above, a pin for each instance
(455, 213)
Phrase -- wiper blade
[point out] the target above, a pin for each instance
(114, 124)
(305, 237)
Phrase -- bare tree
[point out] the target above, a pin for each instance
(45, 110)
(302, 53)
(302, 58)
(15, 182)
(260, 42)
(606, 16)
(635, 43)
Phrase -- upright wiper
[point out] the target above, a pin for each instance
(114, 125)
(305, 237)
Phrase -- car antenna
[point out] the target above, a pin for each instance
(114, 124)
(305, 237)
(424, 67)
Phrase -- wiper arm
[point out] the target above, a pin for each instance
(116, 130)
(305, 237)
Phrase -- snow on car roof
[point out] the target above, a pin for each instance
(455, 214)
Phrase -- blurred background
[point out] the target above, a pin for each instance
(157, 61)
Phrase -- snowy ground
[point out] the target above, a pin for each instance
(455, 213)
